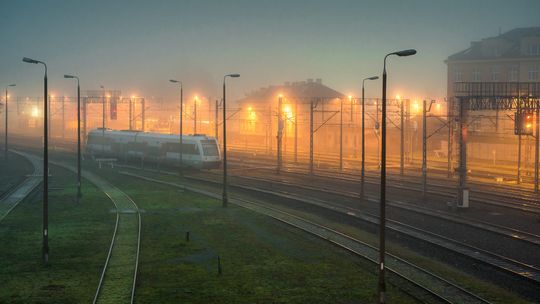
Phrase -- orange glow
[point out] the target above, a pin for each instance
(529, 126)
(280, 95)
(35, 112)
(438, 106)
(416, 107)
(288, 112)
(252, 116)
(398, 97)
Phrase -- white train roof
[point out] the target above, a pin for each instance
(152, 135)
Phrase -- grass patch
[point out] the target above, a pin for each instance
(79, 237)
(263, 261)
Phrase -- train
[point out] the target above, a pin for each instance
(198, 150)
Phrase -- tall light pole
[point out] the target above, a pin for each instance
(195, 115)
(340, 134)
(79, 192)
(6, 129)
(181, 123)
(225, 194)
(45, 243)
(103, 123)
(363, 171)
(382, 215)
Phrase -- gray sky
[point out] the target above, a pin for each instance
(136, 46)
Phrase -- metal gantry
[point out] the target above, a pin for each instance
(493, 96)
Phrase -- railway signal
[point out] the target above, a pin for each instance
(523, 123)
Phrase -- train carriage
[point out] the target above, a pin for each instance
(198, 151)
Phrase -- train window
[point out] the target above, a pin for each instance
(98, 139)
(187, 148)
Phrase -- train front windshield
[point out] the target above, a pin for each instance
(209, 148)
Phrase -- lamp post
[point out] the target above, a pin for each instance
(45, 242)
(195, 115)
(103, 123)
(79, 192)
(181, 123)
(382, 215)
(340, 134)
(363, 171)
(225, 195)
(6, 129)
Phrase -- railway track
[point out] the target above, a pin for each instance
(525, 202)
(19, 191)
(119, 276)
(436, 287)
(511, 233)
(514, 268)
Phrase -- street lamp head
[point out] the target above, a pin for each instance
(406, 52)
(101, 87)
(29, 60)
(12, 85)
(174, 81)
(373, 78)
(233, 75)
(69, 76)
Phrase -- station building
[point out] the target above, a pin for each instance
(510, 57)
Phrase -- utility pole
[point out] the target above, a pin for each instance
(402, 137)
(296, 131)
(363, 170)
(84, 122)
(131, 113)
(341, 134)
(519, 147)
(270, 140)
(143, 116)
(537, 146)
(6, 128)
(45, 235)
(424, 147)
(463, 195)
(450, 118)
(311, 137)
(79, 192)
(216, 118)
(63, 117)
(103, 123)
(195, 116)
(279, 133)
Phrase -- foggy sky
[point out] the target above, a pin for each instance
(136, 46)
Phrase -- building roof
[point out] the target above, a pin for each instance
(299, 89)
(512, 39)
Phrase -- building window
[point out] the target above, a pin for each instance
(476, 74)
(534, 49)
(458, 76)
(495, 71)
(513, 74)
(533, 73)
